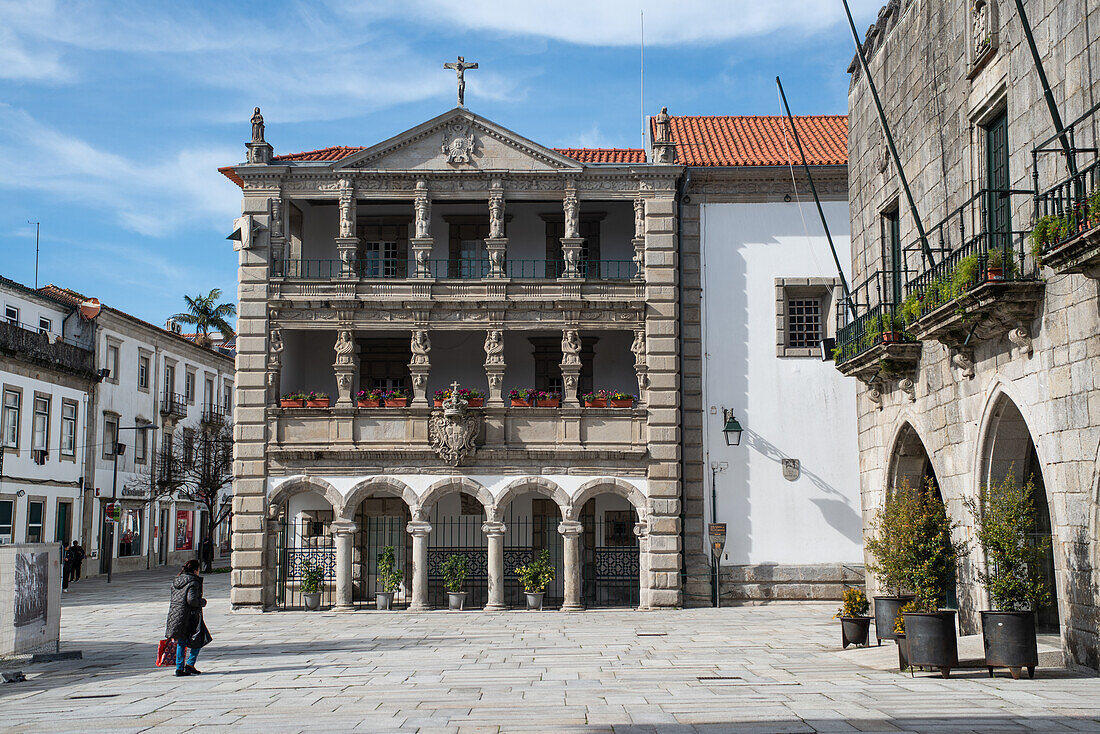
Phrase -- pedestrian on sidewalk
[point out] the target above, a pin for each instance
(66, 565)
(207, 552)
(185, 623)
(78, 559)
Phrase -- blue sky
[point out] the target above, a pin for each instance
(114, 116)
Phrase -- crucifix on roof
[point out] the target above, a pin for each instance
(460, 68)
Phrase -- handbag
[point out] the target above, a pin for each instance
(166, 652)
(201, 638)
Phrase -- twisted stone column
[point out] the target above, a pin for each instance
(344, 530)
(420, 530)
(494, 533)
(571, 532)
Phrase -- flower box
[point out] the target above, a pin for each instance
(597, 403)
(438, 403)
(477, 402)
(891, 336)
(397, 402)
(284, 403)
(548, 403)
(318, 403)
(622, 403)
(520, 403)
(367, 403)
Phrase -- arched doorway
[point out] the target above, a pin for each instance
(456, 519)
(1009, 449)
(531, 523)
(304, 539)
(380, 523)
(611, 561)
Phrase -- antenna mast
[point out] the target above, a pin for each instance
(641, 75)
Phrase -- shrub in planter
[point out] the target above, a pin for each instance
(389, 577)
(967, 274)
(535, 576)
(620, 399)
(454, 575)
(310, 581)
(293, 400)
(888, 542)
(368, 398)
(395, 398)
(317, 400)
(547, 399)
(1004, 516)
(597, 399)
(854, 622)
(911, 308)
(521, 396)
(1000, 264)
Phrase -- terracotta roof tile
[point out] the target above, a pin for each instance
(334, 153)
(229, 173)
(62, 294)
(604, 155)
(759, 141)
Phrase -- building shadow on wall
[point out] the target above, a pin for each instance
(835, 508)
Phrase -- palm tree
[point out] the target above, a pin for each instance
(205, 313)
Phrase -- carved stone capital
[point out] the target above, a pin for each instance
(1021, 337)
(962, 358)
(418, 528)
(570, 527)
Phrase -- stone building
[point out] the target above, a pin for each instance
(459, 256)
(997, 369)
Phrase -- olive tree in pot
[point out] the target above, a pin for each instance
(454, 575)
(310, 580)
(389, 577)
(535, 576)
(887, 543)
(854, 622)
(933, 555)
(1004, 515)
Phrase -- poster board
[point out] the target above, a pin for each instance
(30, 598)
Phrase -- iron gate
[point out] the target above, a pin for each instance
(302, 543)
(610, 567)
(524, 538)
(460, 536)
(372, 537)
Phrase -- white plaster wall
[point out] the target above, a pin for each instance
(790, 407)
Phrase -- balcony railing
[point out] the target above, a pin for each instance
(214, 414)
(40, 348)
(173, 404)
(877, 318)
(461, 269)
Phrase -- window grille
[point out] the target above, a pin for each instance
(803, 322)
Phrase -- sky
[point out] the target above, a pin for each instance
(114, 116)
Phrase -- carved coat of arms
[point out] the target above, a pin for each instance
(458, 143)
(453, 430)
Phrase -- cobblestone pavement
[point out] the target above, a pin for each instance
(599, 671)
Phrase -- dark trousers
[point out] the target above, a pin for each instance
(76, 572)
(66, 575)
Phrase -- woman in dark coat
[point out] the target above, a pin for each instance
(185, 624)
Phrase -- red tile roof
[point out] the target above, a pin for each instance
(334, 153)
(604, 155)
(229, 173)
(759, 141)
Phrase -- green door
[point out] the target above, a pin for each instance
(998, 215)
(892, 230)
(63, 532)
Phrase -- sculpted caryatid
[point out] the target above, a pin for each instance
(257, 126)
(570, 347)
(275, 349)
(276, 217)
(347, 220)
(420, 346)
(345, 348)
(496, 215)
(639, 218)
(423, 207)
(494, 347)
(638, 347)
(572, 215)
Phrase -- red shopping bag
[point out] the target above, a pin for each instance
(166, 652)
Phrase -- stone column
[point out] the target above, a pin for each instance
(494, 366)
(497, 244)
(274, 362)
(278, 237)
(570, 367)
(271, 553)
(571, 532)
(422, 242)
(494, 533)
(347, 244)
(571, 254)
(420, 366)
(641, 530)
(572, 241)
(639, 238)
(420, 530)
(344, 530)
(640, 368)
(345, 368)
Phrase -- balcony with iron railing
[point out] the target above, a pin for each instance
(173, 405)
(874, 339)
(456, 269)
(214, 414)
(1066, 232)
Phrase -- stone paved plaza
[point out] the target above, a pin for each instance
(619, 671)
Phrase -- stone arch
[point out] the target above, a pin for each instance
(536, 485)
(451, 485)
(1007, 445)
(302, 484)
(374, 486)
(611, 485)
(909, 459)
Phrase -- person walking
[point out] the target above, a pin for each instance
(185, 624)
(66, 565)
(78, 559)
(207, 552)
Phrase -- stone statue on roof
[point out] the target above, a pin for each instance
(257, 126)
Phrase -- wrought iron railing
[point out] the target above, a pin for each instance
(214, 414)
(876, 302)
(460, 269)
(173, 404)
(1072, 204)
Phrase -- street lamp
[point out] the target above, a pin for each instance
(109, 526)
(731, 428)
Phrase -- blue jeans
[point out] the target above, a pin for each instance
(191, 658)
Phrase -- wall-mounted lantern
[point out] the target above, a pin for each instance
(731, 428)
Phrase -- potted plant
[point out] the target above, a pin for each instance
(933, 554)
(310, 580)
(620, 399)
(965, 275)
(317, 400)
(389, 577)
(887, 542)
(547, 399)
(597, 399)
(475, 398)
(520, 397)
(396, 398)
(854, 622)
(899, 635)
(911, 308)
(535, 576)
(293, 400)
(368, 398)
(454, 575)
(1004, 516)
(439, 397)
(1000, 264)
(1041, 235)
(1093, 209)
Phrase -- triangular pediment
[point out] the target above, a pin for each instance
(459, 140)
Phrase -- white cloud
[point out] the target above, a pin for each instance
(148, 197)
